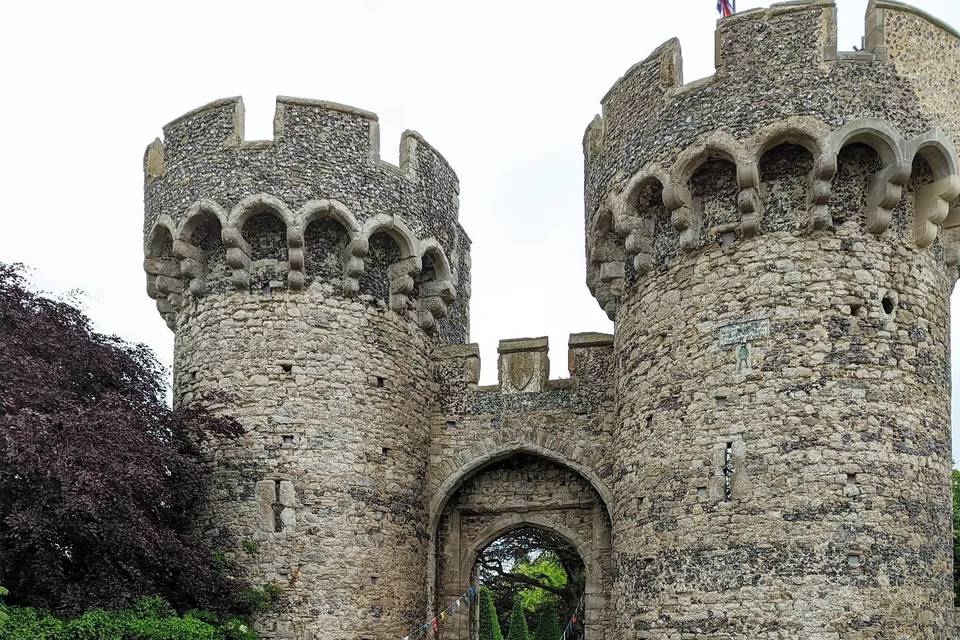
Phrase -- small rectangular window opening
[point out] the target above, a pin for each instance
(277, 509)
(380, 382)
(728, 471)
(288, 439)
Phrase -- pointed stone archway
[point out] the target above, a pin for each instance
(509, 493)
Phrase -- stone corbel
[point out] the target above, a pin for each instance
(355, 266)
(748, 199)
(238, 257)
(637, 237)
(821, 185)
(883, 194)
(165, 285)
(296, 276)
(930, 208)
(684, 218)
(434, 298)
(193, 265)
(402, 274)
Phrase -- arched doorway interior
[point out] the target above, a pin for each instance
(517, 492)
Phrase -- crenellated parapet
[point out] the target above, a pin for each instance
(673, 169)
(314, 208)
(523, 366)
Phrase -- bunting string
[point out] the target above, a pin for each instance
(572, 623)
(434, 624)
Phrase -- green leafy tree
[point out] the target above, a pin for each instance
(548, 625)
(550, 578)
(489, 623)
(956, 537)
(534, 565)
(518, 623)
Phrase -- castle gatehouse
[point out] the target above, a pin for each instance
(760, 450)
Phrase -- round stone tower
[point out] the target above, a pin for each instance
(307, 282)
(777, 244)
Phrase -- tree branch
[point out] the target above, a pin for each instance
(518, 578)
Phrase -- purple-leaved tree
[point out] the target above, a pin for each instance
(100, 479)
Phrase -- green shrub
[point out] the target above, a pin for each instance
(548, 626)
(237, 629)
(518, 623)
(148, 619)
(26, 623)
(204, 616)
(489, 623)
(257, 600)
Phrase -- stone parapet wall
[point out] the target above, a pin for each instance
(320, 149)
(572, 418)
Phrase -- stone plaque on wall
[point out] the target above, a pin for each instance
(742, 332)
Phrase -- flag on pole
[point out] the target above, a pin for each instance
(726, 7)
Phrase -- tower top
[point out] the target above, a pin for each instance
(779, 79)
(323, 163)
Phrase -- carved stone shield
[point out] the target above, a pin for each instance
(521, 371)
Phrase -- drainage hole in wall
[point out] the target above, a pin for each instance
(889, 302)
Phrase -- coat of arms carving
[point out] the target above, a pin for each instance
(521, 371)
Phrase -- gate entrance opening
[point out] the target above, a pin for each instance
(506, 516)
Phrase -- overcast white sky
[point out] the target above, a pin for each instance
(504, 89)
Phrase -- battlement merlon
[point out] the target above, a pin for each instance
(320, 150)
(524, 367)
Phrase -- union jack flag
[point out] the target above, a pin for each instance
(726, 7)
